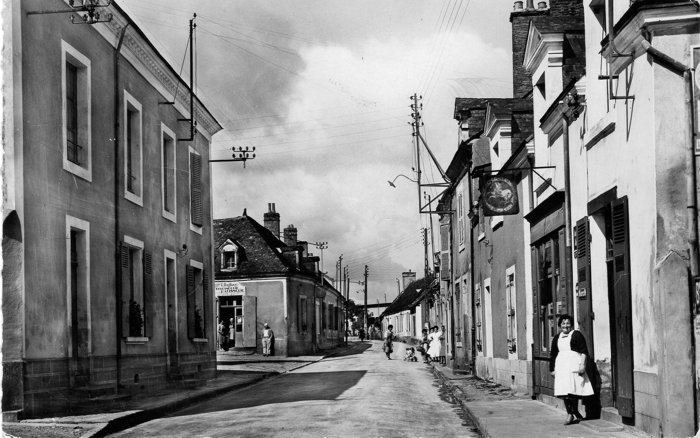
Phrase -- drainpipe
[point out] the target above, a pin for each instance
(567, 213)
(691, 194)
(117, 246)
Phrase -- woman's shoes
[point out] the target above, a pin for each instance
(578, 416)
(571, 420)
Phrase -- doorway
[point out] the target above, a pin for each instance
(78, 303)
(171, 310)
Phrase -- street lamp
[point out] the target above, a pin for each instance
(391, 183)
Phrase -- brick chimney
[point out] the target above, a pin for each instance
(271, 220)
(290, 235)
(408, 278)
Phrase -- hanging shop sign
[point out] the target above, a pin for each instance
(499, 196)
(228, 288)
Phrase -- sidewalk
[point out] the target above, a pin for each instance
(498, 412)
(234, 372)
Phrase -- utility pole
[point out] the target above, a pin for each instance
(416, 133)
(425, 246)
(345, 294)
(321, 246)
(366, 274)
(432, 238)
(340, 272)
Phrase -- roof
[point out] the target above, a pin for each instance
(412, 295)
(263, 250)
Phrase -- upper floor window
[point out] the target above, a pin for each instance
(460, 218)
(229, 256)
(75, 96)
(133, 149)
(168, 174)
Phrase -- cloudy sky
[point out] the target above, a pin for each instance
(321, 90)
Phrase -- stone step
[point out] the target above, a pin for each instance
(11, 416)
(603, 426)
(94, 390)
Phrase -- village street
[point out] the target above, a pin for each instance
(357, 394)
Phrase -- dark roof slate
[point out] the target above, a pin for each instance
(410, 297)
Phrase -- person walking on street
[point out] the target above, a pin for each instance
(268, 337)
(568, 366)
(389, 341)
(443, 354)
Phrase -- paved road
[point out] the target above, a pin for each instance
(360, 394)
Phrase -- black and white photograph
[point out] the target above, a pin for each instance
(366, 218)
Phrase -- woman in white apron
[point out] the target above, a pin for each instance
(567, 364)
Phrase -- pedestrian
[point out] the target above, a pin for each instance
(443, 354)
(424, 344)
(389, 341)
(221, 338)
(361, 333)
(567, 364)
(435, 344)
(231, 333)
(268, 339)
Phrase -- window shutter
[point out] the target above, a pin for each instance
(623, 306)
(126, 288)
(148, 307)
(196, 188)
(205, 294)
(583, 285)
(189, 284)
(445, 266)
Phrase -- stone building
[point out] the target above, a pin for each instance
(106, 212)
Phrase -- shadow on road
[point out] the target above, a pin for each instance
(287, 388)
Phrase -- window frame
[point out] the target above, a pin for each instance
(83, 226)
(130, 106)
(137, 269)
(70, 55)
(167, 132)
(511, 312)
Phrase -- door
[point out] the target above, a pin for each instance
(622, 308)
(249, 321)
(172, 313)
(80, 331)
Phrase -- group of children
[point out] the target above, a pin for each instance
(431, 347)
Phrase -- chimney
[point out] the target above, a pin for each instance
(408, 278)
(290, 235)
(272, 220)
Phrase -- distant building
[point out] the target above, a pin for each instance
(106, 214)
(261, 279)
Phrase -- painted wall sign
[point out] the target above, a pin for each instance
(228, 288)
(499, 196)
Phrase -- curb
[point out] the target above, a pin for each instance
(453, 390)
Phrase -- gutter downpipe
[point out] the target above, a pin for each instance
(691, 195)
(117, 256)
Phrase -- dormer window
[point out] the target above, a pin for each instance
(229, 256)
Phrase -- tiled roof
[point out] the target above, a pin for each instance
(262, 250)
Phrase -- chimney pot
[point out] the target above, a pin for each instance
(542, 5)
(518, 5)
(530, 5)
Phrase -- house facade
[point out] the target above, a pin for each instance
(261, 279)
(107, 212)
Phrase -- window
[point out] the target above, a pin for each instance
(76, 109)
(229, 256)
(136, 276)
(168, 174)
(545, 258)
(302, 323)
(511, 321)
(196, 210)
(133, 151)
(197, 285)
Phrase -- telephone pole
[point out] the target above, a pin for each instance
(425, 246)
(366, 274)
